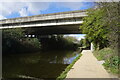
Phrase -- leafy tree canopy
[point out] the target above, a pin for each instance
(100, 22)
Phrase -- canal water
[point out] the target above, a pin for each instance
(49, 64)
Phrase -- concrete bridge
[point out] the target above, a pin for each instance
(55, 23)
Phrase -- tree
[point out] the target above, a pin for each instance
(102, 25)
(14, 41)
(95, 27)
(112, 11)
(11, 38)
(85, 43)
(16, 34)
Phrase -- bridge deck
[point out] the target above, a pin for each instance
(56, 23)
(42, 17)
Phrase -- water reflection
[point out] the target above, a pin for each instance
(37, 65)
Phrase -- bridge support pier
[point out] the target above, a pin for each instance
(92, 47)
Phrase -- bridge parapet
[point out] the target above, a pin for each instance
(43, 17)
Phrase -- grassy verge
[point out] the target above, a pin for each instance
(111, 59)
(64, 73)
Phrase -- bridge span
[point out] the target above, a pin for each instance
(55, 23)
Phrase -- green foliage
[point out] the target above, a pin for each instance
(70, 39)
(57, 43)
(112, 64)
(103, 54)
(113, 17)
(13, 41)
(11, 38)
(33, 42)
(15, 34)
(95, 28)
(102, 24)
(112, 61)
(102, 27)
(85, 43)
(64, 73)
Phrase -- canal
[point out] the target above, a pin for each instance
(47, 64)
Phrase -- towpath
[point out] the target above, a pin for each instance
(88, 67)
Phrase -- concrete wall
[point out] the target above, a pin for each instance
(41, 24)
(44, 17)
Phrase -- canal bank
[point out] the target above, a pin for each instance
(87, 67)
(64, 73)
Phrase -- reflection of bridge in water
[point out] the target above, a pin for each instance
(47, 24)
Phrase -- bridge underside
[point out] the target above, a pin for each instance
(49, 30)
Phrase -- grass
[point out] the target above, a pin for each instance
(103, 53)
(64, 73)
(112, 61)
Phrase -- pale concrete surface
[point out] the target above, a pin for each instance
(88, 67)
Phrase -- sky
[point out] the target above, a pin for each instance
(22, 9)
(77, 36)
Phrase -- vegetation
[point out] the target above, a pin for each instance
(101, 23)
(102, 28)
(15, 42)
(95, 28)
(85, 43)
(64, 73)
(112, 61)
(71, 39)
(58, 42)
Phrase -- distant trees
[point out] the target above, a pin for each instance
(14, 41)
(85, 43)
(71, 39)
(58, 42)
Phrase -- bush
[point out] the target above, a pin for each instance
(112, 60)
(14, 41)
(103, 54)
(112, 64)
(33, 42)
